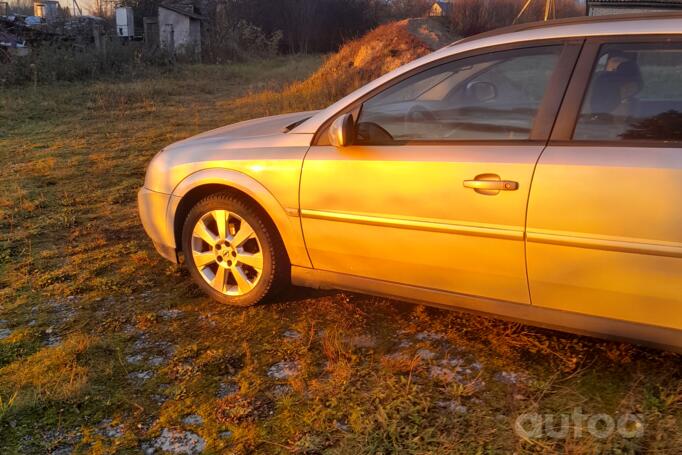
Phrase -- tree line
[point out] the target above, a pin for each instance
(238, 28)
(322, 25)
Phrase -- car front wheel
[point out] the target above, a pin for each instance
(232, 251)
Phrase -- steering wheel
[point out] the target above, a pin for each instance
(456, 130)
(419, 113)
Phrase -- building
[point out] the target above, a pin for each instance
(47, 9)
(151, 32)
(441, 9)
(606, 7)
(125, 22)
(180, 31)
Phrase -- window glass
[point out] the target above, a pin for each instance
(635, 93)
(490, 97)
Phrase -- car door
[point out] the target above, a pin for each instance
(433, 192)
(605, 219)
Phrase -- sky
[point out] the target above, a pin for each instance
(86, 5)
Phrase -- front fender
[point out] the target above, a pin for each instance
(286, 219)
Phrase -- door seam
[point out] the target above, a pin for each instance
(535, 166)
(300, 218)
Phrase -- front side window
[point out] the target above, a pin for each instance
(635, 93)
(488, 97)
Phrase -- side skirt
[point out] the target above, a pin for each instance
(581, 324)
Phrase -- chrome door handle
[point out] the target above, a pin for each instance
(494, 185)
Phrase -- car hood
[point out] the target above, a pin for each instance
(266, 126)
(263, 143)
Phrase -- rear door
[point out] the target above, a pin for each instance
(604, 229)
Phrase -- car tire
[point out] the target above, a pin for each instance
(227, 268)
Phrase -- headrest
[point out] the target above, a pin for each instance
(605, 93)
(629, 72)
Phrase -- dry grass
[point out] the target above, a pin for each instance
(136, 349)
(357, 62)
(55, 374)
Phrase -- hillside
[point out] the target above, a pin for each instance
(382, 50)
(357, 62)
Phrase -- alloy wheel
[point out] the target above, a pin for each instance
(227, 252)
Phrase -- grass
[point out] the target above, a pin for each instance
(110, 347)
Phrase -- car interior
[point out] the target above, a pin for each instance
(616, 108)
(479, 101)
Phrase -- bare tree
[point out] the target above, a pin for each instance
(310, 25)
(23, 7)
(400, 9)
(301, 15)
(470, 17)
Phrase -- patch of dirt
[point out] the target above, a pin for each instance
(292, 334)
(283, 370)
(141, 375)
(235, 409)
(193, 420)
(178, 442)
(108, 429)
(227, 389)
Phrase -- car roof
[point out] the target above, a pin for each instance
(638, 23)
(669, 23)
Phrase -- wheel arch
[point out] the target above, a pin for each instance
(210, 181)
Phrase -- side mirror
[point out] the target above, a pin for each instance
(341, 131)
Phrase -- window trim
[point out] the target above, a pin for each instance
(569, 114)
(547, 110)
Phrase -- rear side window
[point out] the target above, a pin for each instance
(635, 93)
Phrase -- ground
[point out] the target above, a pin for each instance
(107, 348)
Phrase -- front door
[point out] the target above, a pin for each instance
(433, 192)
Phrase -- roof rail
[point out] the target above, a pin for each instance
(571, 21)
